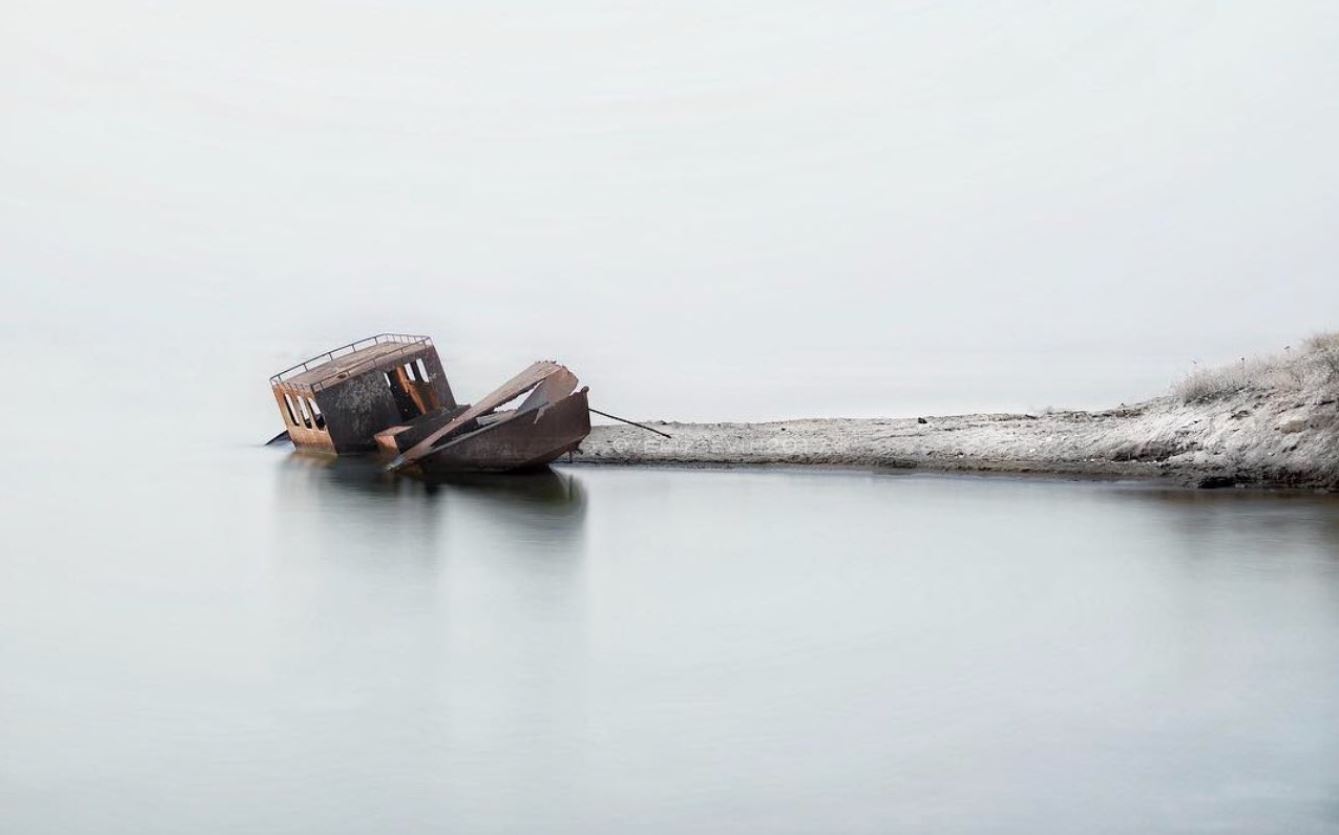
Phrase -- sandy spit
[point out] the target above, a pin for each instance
(1251, 437)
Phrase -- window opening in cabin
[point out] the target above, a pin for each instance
(292, 415)
(316, 413)
(409, 369)
(404, 402)
(422, 369)
(302, 407)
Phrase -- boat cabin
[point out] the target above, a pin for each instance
(338, 401)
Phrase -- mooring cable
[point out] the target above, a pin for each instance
(631, 422)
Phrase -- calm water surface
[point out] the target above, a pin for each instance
(295, 646)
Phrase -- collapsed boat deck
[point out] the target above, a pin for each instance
(389, 394)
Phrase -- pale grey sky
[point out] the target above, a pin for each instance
(707, 209)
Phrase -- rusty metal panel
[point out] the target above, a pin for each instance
(304, 430)
(380, 351)
(532, 376)
(524, 440)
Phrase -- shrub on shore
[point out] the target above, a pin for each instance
(1325, 347)
(1314, 366)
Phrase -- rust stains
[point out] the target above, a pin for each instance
(390, 393)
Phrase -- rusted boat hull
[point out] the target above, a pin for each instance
(389, 393)
(526, 441)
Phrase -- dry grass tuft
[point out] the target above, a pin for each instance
(1315, 366)
(1325, 348)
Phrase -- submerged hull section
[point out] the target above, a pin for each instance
(525, 440)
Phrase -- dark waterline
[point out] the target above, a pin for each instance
(303, 645)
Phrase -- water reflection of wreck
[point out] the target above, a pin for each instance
(389, 393)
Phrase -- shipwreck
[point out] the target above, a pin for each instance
(389, 394)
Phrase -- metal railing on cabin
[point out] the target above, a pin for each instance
(408, 343)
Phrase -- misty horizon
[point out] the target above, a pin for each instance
(708, 213)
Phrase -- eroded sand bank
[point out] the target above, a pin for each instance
(1249, 437)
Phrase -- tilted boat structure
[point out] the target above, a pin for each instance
(389, 394)
(552, 420)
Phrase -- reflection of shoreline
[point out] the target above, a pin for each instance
(1208, 521)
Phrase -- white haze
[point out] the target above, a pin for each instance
(709, 210)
